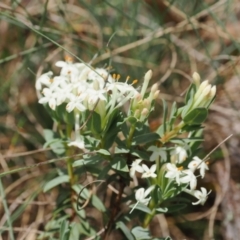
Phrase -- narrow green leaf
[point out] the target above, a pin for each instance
(145, 138)
(125, 230)
(165, 112)
(97, 203)
(119, 164)
(64, 230)
(173, 115)
(74, 233)
(196, 116)
(78, 163)
(104, 152)
(162, 210)
(141, 207)
(141, 233)
(190, 93)
(56, 181)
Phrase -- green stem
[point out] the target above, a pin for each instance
(148, 218)
(130, 137)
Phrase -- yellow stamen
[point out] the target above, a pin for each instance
(118, 77)
(51, 80)
(114, 76)
(128, 77)
(134, 81)
(180, 168)
(68, 58)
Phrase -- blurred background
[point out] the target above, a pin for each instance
(174, 39)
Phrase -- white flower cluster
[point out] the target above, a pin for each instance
(174, 173)
(186, 176)
(81, 87)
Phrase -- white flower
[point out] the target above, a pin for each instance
(179, 155)
(44, 79)
(149, 172)
(79, 143)
(141, 195)
(187, 176)
(49, 97)
(69, 69)
(100, 75)
(201, 196)
(157, 152)
(197, 163)
(136, 167)
(173, 172)
(75, 102)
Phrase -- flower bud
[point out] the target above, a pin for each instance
(156, 94)
(148, 75)
(206, 91)
(213, 92)
(196, 78)
(145, 112)
(146, 103)
(147, 78)
(154, 88)
(203, 85)
(137, 114)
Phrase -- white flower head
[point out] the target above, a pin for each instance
(197, 163)
(187, 176)
(44, 79)
(178, 155)
(79, 143)
(173, 172)
(141, 195)
(149, 172)
(201, 196)
(69, 69)
(136, 167)
(49, 97)
(75, 102)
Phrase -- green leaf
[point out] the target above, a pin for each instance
(64, 230)
(112, 128)
(94, 123)
(176, 207)
(190, 93)
(78, 163)
(196, 116)
(141, 154)
(55, 143)
(173, 115)
(56, 181)
(141, 233)
(119, 164)
(48, 134)
(104, 152)
(162, 210)
(145, 138)
(97, 203)
(74, 233)
(132, 120)
(141, 207)
(165, 112)
(125, 230)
